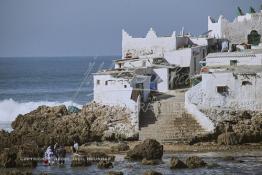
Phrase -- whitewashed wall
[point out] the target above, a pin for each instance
(187, 57)
(200, 41)
(240, 96)
(192, 109)
(151, 44)
(180, 57)
(162, 85)
(114, 93)
(250, 59)
(238, 30)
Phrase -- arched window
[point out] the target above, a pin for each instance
(254, 38)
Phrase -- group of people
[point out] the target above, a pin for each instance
(55, 154)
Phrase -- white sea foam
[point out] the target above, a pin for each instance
(10, 109)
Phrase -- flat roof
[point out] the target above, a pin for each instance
(244, 53)
(238, 69)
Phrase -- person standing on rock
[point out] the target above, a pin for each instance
(61, 154)
(49, 156)
(75, 147)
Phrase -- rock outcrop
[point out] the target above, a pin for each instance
(151, 162)
(56, 124)
(150, 149)
(20, 156)
(175, 163)
(15, 172)
(115, 173)
(80, 161)
(195, 162)
(5, 141)
(244, 126)
(120, 147)
(104, 164)
(228, 138)
(152, 173)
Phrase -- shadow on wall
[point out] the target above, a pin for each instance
(147, 115)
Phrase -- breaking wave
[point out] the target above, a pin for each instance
(10, 109)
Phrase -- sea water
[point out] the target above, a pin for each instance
(246, 163)
(26, 83)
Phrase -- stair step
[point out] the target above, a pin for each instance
(171, 124)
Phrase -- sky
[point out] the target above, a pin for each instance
(39, 28)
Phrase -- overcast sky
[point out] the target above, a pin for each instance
(93, 27)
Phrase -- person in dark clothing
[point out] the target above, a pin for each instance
(61, 154)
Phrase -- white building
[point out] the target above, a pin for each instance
(237, 31)
(121, 88)
(231, 80)
(246, 57)
(148, 64)
(180, 54)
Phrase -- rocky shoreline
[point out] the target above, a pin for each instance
(103, 132)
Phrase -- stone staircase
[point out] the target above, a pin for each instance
(167, 121)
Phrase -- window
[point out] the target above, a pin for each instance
(106, 83)
(98, 82)
(244, 83)
(223, 90)
(144, 64)
(125, 86)
(119, 65)
(233, 62)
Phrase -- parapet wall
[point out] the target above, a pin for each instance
(202, 119)
(238, 30)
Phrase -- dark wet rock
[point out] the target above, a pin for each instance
(115, 173)
(16, 172)
(212, 165)
(120, 147)
(175, 163)
(228, 158)
(97, 156)
(27, 155)
(80, 161)
(5, 141)
(104, 164)
(195, 162)
(20, 156)
(150, 149)
(152, 173)
(8, 158)
(228, 138)
(151, 162)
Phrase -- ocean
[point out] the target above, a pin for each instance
(26, 83)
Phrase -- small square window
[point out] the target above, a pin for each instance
(233, 62)
(223, 90)
(125, 86)
(98, 82)
(106, 83)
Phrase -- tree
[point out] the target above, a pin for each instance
(252, 10)
(240, 12)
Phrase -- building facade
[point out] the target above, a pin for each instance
(239, 30)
